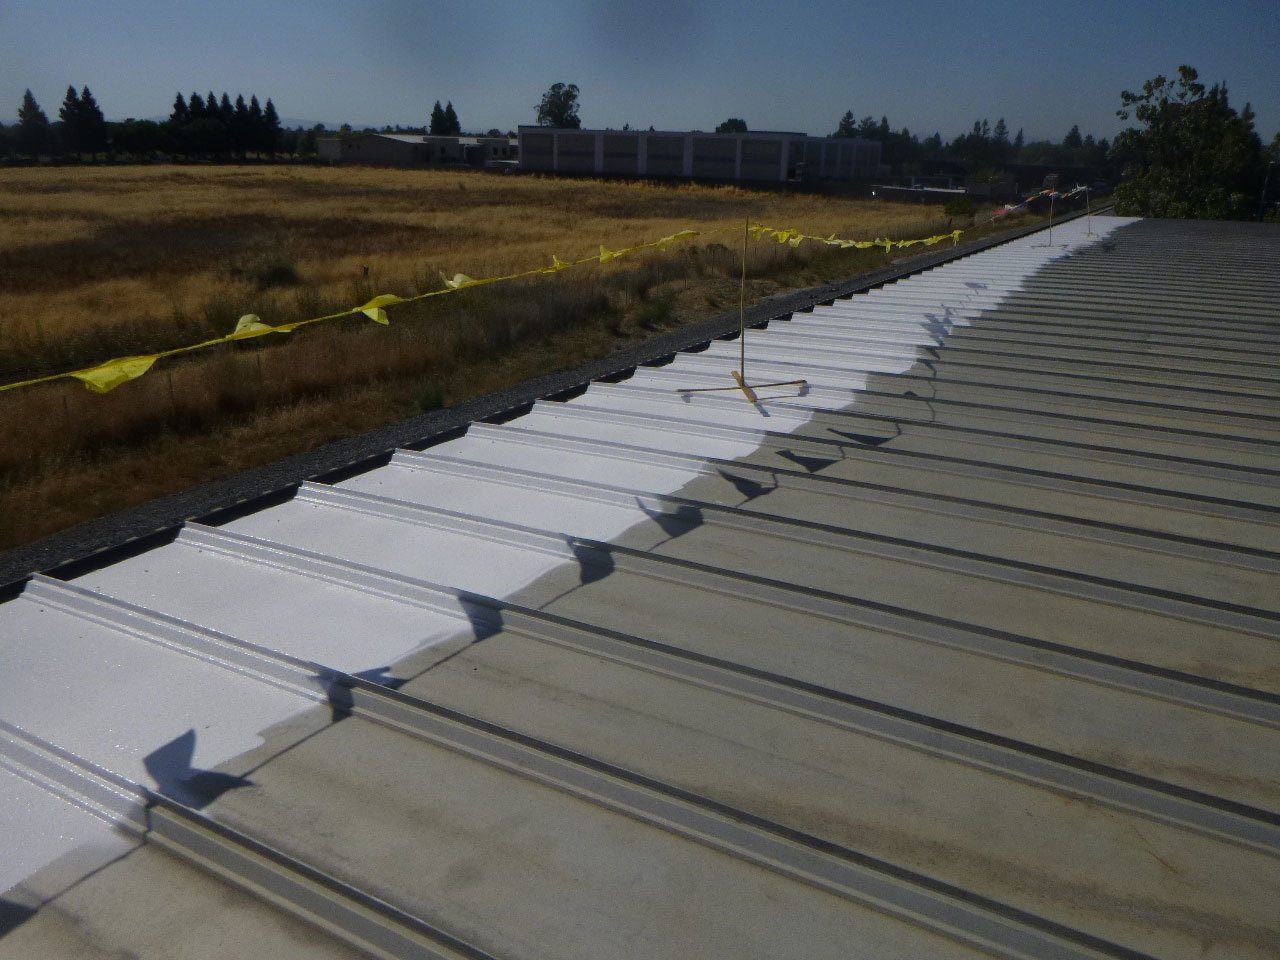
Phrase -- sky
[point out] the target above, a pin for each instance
(673, 64)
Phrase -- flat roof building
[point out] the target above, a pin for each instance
(759, 156)
(415, 150)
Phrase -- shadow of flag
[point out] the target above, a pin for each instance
(170, 767)
(811, 464)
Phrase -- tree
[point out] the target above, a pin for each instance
(140, 137)
(559, 107)
(848, 127)
(437, 123)
(1001, 147)
(307, 141)
(179, 115)
(733, 125)
(195, 108)
(1018, 142)
(72, 117)
(1194, 156)
(93, 126)
(977, 149)
(1073, 141)
(452, 126)
(33, 127)
(257, 126)
(270, 128)
(241, 134)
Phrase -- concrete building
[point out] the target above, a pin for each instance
(416, 150)
(754, 156)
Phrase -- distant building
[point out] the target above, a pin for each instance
(754, 156)
(416, 150)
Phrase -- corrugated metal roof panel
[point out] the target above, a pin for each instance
(968, 648)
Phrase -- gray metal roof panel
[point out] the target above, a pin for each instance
(968, 649)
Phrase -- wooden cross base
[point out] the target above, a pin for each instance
(747, 388)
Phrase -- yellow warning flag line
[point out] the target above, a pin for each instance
(795, 238)
(107, 376)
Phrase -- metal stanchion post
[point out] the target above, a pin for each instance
(742, 305)
(740, 375)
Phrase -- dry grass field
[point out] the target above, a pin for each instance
(99, 262)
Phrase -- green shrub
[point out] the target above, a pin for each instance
(432, 398)
(963, 207)
(266, 271)
(652, 314)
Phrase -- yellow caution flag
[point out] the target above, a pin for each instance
(250, 325)
(374, 308)
(109, 375)
(676, 238)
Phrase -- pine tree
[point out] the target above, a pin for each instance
(179, 115)
(451, 120)
(33, 127)
(257, 126)
(1073, 140)
(1017, 142)
(436, 127)
(270, 128)
(73, 122)
(848, 127)
(195, 107)
(226, 113)
(93, 124)
(1000, 141)
(240, 126)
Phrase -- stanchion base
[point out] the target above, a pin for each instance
(748, 389)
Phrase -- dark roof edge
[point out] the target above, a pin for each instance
(106, 539)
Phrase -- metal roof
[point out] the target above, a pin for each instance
(969, 649)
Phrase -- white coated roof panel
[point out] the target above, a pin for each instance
(968, 648)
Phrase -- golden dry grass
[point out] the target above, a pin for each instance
(99, 262)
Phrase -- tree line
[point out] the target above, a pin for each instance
(1191, 155)
(206, 127)
(983, 148)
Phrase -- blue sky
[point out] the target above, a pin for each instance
(668, 63)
